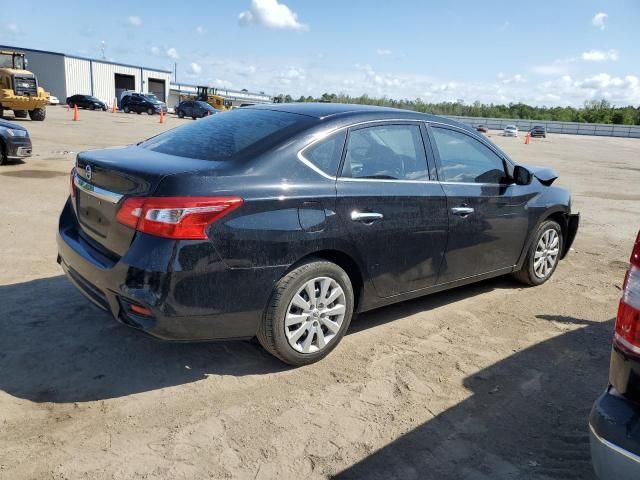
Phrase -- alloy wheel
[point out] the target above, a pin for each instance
(546, 254)
(315, 315)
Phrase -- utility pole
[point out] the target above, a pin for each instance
(175, 72)
(102, 45)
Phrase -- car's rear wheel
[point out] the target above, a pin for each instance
(180, 114)
(126, 109)
(20, 113)
(543, 255)
(308, 314)
(92, 107)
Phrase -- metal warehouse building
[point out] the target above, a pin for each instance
(64, 75)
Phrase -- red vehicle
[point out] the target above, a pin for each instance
(615, 436)
(482, 128)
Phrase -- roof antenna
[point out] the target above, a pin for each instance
(102, 45)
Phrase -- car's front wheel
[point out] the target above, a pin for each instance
(180, 114)
(543, 255)
(308, 314)
(126, 109)
(149, 111)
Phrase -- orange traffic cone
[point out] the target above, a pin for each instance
(527, 139)
(161, 116)
(113, 107)
(76, 116)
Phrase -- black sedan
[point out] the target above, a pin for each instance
(282, 221)
(14, 142)
(614, 429)
(194, 109)
(86, 101)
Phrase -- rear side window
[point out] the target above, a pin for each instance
(326, 153)
(393, 152)
(228, 135)
(465, 159)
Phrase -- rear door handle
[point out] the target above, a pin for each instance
(462, 211)
(366, 217)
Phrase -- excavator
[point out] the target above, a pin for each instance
(19, 90)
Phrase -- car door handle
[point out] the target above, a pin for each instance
(462, 211)
(366, 217)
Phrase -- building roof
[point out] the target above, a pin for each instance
(97, 60)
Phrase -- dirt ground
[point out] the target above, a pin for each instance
(491, 381)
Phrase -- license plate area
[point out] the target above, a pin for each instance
(94, 213)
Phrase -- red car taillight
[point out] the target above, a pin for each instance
(72, 183)
(175, 217)
(627, 331)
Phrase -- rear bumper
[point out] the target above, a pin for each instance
(192, 295)
(615, 437)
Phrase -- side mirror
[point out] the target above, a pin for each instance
(522, 176)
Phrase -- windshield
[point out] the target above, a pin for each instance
(152, 97)
(223, 137)
(10, 60)
(93, 99)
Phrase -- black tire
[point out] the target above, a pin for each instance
(150, 111)
(104, 109)
(92, 107)
(1, 111)
(527, 274)
(126, 109)
(38, 114)
(138, 112)
(180, 114)
(194, 117)
(271, 333)
(20, 113)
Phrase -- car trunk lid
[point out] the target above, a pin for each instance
(104, 177)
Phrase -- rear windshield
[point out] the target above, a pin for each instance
(225, 136)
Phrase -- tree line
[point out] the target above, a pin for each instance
(593, 111)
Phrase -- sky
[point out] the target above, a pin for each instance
(541, 53)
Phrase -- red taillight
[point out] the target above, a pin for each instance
(175, 217)
(72, 182)
(627, 331)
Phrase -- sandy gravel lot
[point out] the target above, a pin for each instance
(491, 381)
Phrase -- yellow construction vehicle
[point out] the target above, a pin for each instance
(19, 90)
(210, 95)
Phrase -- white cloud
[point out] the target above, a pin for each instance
(12, 27)
(384, 52)
(517, 78)
(134, 21)
(599, 55)
(154, 51)
(271, 14)
(505, 26)
(195, 69)
(598, 20)
(556, 68)
(200, 30)
(172, 53)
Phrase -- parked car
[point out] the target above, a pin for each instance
(148, 96)
(141, 103)
(53, 100)
(14, 141)
(538, 131)
(510, 131)
(194, 109)
(280, 221)
(482, 128)
(613, 424)
(86, 101)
